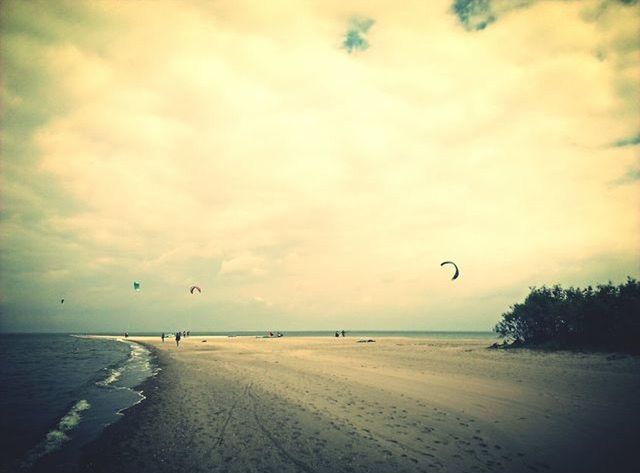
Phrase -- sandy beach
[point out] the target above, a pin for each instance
(396, 405)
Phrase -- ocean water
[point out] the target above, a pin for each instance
(349, 333)
(58, 393)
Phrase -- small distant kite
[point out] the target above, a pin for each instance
(457, 273)
(61, 301)
(195, 288)
(136, 286)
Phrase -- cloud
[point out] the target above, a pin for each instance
(605, 30)
(628, 141)
(478, 14)
(473, 14)
(354, 38)
(246, 265)
(630, 177)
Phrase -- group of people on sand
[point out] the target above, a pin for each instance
(277, 334)
(339, 333)
(178, 336)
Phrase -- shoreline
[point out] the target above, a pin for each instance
(396, 405)
(156, 366)
(93, 453)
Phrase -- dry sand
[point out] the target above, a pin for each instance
(397, 405)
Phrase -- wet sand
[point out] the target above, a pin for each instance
(396, 405)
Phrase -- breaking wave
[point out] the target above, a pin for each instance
(58, 436)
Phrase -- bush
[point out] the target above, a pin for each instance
(604, 318)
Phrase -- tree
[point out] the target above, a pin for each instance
(605, 318)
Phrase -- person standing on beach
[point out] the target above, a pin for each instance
(343, 333)
(337, 334)
(162, 336)
(178, 339)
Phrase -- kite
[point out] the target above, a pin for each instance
(195, 288)
(457, 273)
(136, 286)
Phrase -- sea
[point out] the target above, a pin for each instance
(443, 335)
(58, 392)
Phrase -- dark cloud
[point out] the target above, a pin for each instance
(478, 14)
(631, 176)
(473, 14)
(628, 141)
(354, 38)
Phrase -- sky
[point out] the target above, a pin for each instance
(309, 165)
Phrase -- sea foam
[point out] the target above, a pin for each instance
(56, 437)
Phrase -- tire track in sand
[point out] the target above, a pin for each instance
(283, 452)
(229, 415)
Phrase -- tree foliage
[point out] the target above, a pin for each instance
(604, 318)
